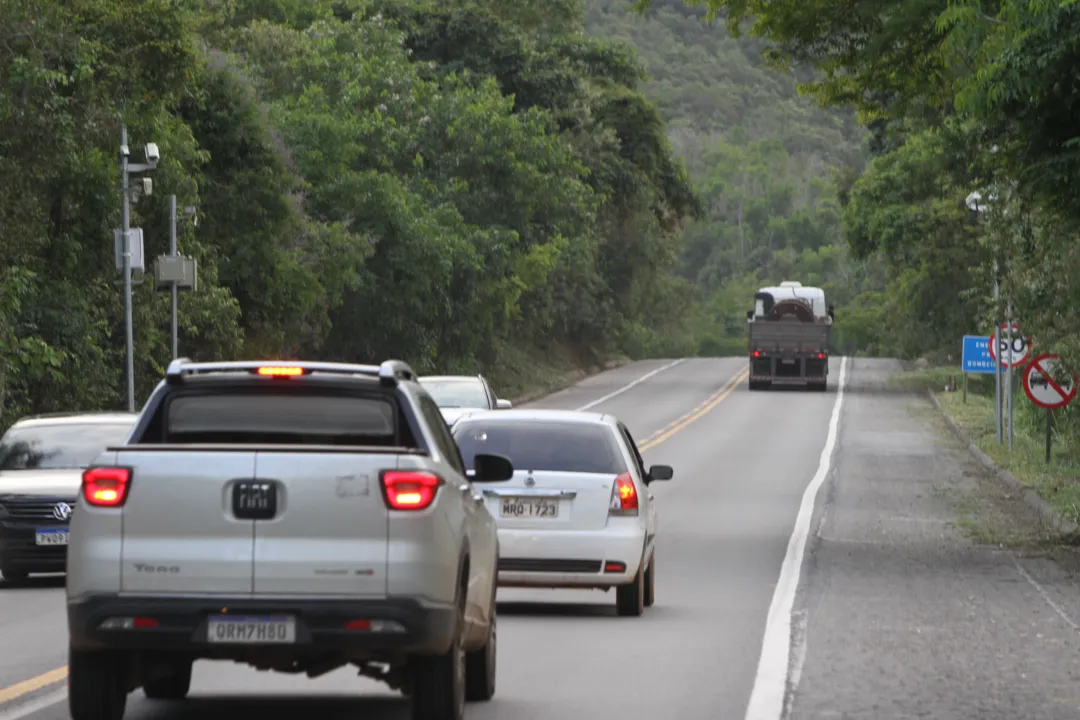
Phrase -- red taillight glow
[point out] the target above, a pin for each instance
(145, 622)
(821, 356)
(275, 371)
(409, 489)
(358, 625)
(106, 486)
(756, 353)
(624, 499)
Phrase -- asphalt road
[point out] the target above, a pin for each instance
(896, 616)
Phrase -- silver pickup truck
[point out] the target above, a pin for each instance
(296, 517)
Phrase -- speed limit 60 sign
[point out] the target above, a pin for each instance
(1021, 346)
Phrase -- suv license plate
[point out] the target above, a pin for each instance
(51, 537)
(251, 630)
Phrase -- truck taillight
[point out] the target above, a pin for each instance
(756, 353)
(624, 499)
(106, 486)
(409, 489)
(821, 356)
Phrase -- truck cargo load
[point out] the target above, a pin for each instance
(789, 331)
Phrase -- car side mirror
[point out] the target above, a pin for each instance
(660, 472)
(491, 468)
(501, 404)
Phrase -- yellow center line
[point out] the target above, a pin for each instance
(35, 683)
(60, 674)
(695, 414)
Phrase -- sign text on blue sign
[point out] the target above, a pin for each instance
(976, 355)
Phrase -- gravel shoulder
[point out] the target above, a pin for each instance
(928, 589)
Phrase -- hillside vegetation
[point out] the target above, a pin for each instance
(469, 185)
(772, 169)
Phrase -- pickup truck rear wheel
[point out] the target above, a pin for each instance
(437, 689)
(97, 685)
(480, 667)
(174, 686)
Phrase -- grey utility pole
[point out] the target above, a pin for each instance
(126, 168)
(125, 234)
(172, 253)
(997, 360)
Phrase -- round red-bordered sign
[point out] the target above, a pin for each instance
(1040, 386)
(1021, 345)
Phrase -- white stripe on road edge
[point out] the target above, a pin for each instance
(36, 705)
(626, 387)
(770, 684)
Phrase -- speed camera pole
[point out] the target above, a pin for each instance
(125, 231)
(172, 253)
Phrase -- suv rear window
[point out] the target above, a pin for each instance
(281, 418)
(542, 445)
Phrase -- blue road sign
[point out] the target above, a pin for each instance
(976, 356)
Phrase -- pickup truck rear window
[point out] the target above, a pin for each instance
(281, 418)
(542, 445)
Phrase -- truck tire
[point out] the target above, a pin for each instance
(480, 663)
(97, 685)
(174, 686)
(437, 687)
(821, 386)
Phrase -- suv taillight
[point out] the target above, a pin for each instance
(624, 500)
(106, 486)
(409, 489)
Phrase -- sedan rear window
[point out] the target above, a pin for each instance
(281, 418)
(542, 445)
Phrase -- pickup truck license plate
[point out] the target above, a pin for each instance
(530, 507)
(51, 537)
(251, 630)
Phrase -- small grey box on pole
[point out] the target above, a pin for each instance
(174, 272)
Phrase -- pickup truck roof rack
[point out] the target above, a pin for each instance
(389, 372)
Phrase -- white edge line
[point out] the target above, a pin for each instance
(626, 387)
(36, 705)
(770, 683)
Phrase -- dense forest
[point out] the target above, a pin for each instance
(513, 187)
(958, 97)
(465, 185)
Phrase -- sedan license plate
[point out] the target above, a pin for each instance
(530, 507)
(51, 537)
(251, 630)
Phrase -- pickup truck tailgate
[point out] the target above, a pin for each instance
(179, 532)
(329, 533)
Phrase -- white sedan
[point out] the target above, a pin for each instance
(578, 512)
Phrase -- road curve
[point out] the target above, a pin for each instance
(742, 461)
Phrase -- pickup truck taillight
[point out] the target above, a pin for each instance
(409, 489)
(106, 486)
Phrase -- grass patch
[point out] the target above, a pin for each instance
(1058, 482)
(523, 372)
